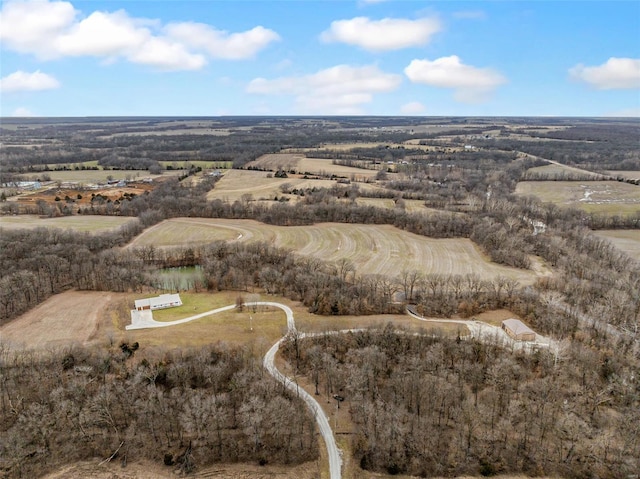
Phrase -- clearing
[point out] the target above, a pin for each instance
(373, 249)
(62, 320)
(604, 197)
(88, 223)
(252, 185)
(625, 240)
(315, 166)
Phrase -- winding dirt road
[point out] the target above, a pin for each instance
(144, 321)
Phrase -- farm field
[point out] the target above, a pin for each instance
(625, 240)
(237, 183)
(374, 249)
(85, 223)
(604, 197)
(559, 171)
(95, 176)
(100, 318)
(411, 206)
(316, 166)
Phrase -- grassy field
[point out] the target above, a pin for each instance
(558, 171)
(88, 223)
(374, 249)
(237, 183)
(604, 197)
(95, 176)
(625, 240)
(315, 166)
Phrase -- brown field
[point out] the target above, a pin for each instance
(556, 170)
(237, 183)
(315, 166)
(89, 223)
(62, 320)
(99, 318)
(604, 197)
(374, 249)
(625, 240)
(85, 177)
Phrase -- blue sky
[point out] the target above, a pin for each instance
(298, 57)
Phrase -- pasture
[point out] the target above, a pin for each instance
(55, 323)
(315, 166)
(626, 240)
(554, 170)
(95, 176)
(238, 184)
(85, 223)
(373, 249)
(603, 197)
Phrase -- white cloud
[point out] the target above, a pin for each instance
(412, 108)
(221, 44)
(470, 84)
(341, 90)
(22, 112)
(382, 35)
(616, 73)
(55, 29)
(23, 81)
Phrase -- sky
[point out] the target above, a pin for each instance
(329, 57)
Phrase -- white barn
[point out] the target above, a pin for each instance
(159, 302)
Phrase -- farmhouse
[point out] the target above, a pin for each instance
(518, 330)
(159, 302)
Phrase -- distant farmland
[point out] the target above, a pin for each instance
(625, 240)
(237, 183)
(84, 223)
(373, 249)
(605, 197)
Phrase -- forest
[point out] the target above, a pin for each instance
(421, 405)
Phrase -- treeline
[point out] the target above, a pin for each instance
(186, 410)
(430, 406)
(35, 264)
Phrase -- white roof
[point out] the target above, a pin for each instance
(162, 299)
(517, 326)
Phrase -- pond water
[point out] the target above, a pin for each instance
(178, 279)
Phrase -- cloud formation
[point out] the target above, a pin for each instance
(470, 84)
(412, 108)
(382, 35)
(23, 81)
(614, 74)
(22, 112)
(339, 90)
(55, 29)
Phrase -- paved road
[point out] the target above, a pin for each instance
(145, 320)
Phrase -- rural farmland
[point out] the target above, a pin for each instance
(86, 223)
(373, 249)
(604, 197)
(627, 241)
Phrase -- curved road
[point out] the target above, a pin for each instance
(143, 321)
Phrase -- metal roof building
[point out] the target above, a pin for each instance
(159, 302)
(518, 330)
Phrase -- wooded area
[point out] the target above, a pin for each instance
(421, 405)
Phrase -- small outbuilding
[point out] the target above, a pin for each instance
(518, 330)
(159, 302)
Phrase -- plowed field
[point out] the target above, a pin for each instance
(374, 249)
